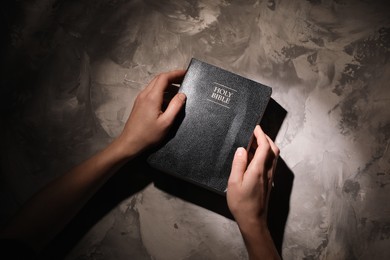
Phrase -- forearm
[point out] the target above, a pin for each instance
(258, 241)
(53, 207)
(48, 211)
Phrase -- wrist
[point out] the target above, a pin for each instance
(253, 225)
(258, 240)
(125, 149)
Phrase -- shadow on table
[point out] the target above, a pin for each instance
(279, 204)
(129, 180)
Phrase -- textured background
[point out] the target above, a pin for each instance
(70, 71)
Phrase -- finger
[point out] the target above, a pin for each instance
(175, 76)
(156, 93)
(173, 109)
(274, 148)
(252, 149)
(275, 151)
(169, 94)
(165, 79)
(172, 90)
(238, 166)
(150, 86)
(261, 154)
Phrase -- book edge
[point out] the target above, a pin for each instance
(269, 90)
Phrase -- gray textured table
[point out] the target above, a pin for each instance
(73, 69)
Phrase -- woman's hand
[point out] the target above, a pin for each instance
(50, 209)
(147, 123)
(248, 193)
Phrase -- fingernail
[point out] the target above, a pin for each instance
(182, 97)
(240, 151)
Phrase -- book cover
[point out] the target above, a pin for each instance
(220, 114)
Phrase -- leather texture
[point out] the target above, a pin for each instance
(221, 112)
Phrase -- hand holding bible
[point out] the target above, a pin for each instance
(248, 194)
(147, 123)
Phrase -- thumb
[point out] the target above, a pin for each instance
(239, 166)
(173, 108)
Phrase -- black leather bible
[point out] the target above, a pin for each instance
(220, 114)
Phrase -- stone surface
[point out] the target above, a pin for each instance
(71, 71)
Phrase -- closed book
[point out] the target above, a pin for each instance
(220, 114)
